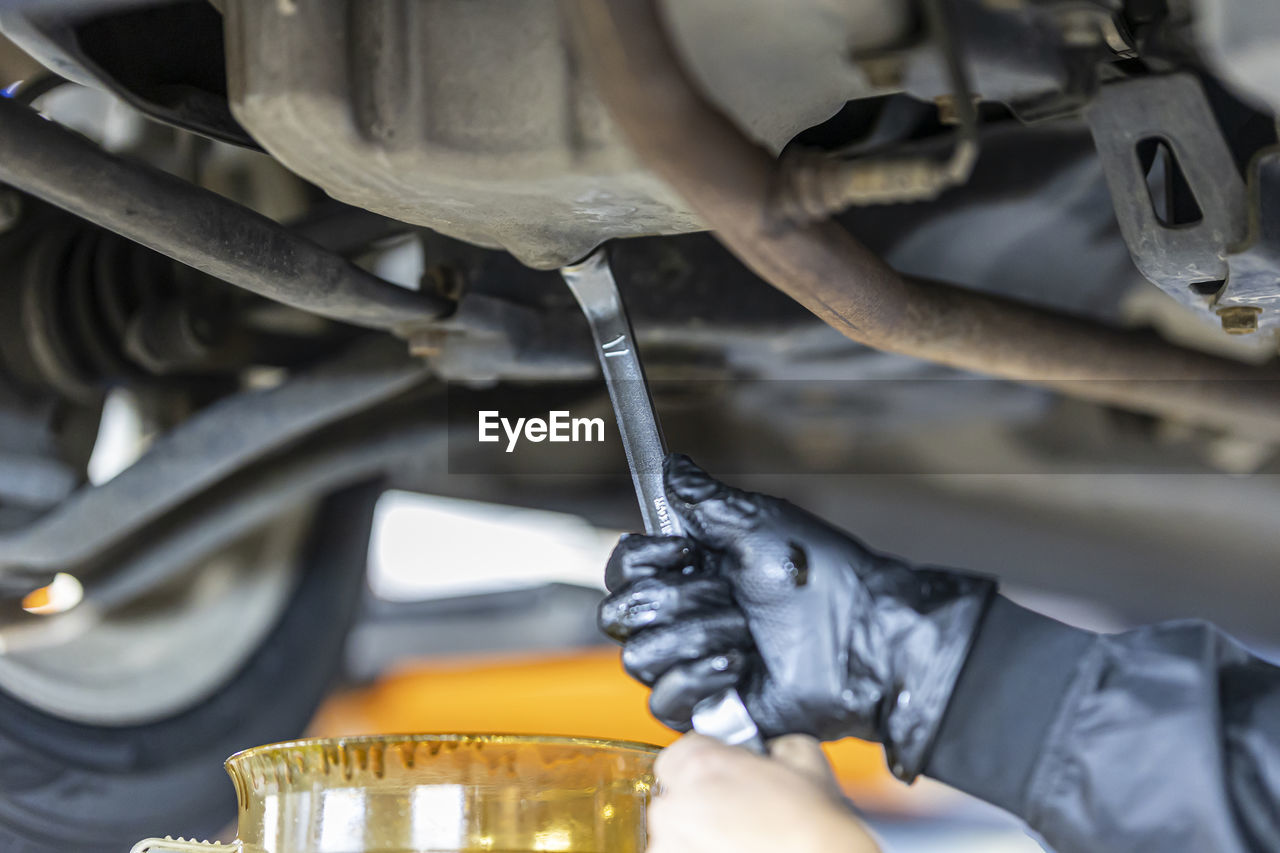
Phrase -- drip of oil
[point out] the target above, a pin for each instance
(438, 794)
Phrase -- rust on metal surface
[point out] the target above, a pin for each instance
(728, 180)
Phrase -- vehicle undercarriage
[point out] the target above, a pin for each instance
(995, 282)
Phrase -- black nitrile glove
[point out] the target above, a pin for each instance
(820, 635)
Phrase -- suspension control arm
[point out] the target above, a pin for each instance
(197, 227)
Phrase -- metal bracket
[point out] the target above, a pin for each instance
(1173, 110)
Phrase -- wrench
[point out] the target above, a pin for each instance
(722, 716)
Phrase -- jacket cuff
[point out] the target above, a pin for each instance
(1007, 697)
(929, 656)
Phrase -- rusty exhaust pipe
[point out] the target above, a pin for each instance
(729, 181)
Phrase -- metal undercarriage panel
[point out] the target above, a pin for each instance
(472, 117)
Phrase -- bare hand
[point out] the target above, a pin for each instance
(716, 798)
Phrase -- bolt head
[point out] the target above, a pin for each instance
(1239, 319)
(426, 343)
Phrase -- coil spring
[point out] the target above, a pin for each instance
(95, 310)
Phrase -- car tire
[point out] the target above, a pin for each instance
(67, 786)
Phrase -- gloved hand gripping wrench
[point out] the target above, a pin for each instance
(723, 716)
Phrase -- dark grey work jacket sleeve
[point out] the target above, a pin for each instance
(1161, 740)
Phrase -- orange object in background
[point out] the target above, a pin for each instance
(584, 694)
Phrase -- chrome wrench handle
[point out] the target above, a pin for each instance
(597, 293)
(722, 716)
